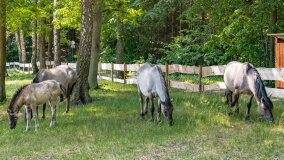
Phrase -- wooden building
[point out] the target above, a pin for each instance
(279, 54)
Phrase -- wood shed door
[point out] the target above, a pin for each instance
(279, 61)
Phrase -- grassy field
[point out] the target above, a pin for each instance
(110, 128)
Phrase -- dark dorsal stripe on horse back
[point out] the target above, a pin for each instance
(15, 96)
(164, 85)
(249, 66)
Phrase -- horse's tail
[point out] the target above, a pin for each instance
(71, 89)
(36, 79)
(63, 90)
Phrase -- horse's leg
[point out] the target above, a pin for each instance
(61, 98)
(159, 112)
(53, 110)
(35, 116)
(146, 106)
(152, 108)
(141, 102)
(43, 111)
(228, 97)
(67, 104)
(236, 98)
(28, 117)
(248, 108)
(237, 107)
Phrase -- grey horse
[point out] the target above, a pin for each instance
(151, 83)
(243, 78)
(32, 95)
(63, 74)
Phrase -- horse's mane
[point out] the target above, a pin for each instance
(164, 86)
(15, 96)
(259, 87)
(36, 79)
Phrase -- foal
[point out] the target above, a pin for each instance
(32, 95)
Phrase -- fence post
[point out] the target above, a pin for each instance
(199, 79)
(29, 67)
(14, 66)
(111, 72)
(167, 73)
(124, 73)
(100, 70)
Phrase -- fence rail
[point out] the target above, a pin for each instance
(265, 73)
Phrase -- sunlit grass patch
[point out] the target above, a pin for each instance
(110, 127)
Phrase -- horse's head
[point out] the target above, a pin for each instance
(265, 109)
(13, 118)
(167, 109)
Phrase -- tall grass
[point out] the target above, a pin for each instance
(110, 128)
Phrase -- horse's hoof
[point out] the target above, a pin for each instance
(151, 120)
(66, 111)
(237, 111)
(43, 117)
(230, 113)
(247, 118)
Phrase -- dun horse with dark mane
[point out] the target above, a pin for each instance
(63, 74)
(243, 78)
(32, 95)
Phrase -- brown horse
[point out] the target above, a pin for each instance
(32, 95)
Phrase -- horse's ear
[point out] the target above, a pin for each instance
(172, 100)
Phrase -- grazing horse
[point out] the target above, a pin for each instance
(63, 74)
(151, 83)
(32, 95)
(243, 78)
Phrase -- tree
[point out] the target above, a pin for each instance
(50, 39)
(120, 44)
(83, 62)
(34, 43)
(96, 50)
(42, 39)
(56, 35)
(18, 42)
(272, 22)
(2, 49)
(23, 46)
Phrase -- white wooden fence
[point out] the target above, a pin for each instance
(265, 73)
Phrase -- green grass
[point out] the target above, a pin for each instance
(193, 78)
(110, 128)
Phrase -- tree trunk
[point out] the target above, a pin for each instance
(119, 45)
(18, 42)
(42, 42)
(83, 62)
(34, 44)
(2, 49)
(95, 52)
(56, 35)
(50, 40)
(273, 20)
(23, 46)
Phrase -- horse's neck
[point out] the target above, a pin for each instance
(162, 91)
(18, 104)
